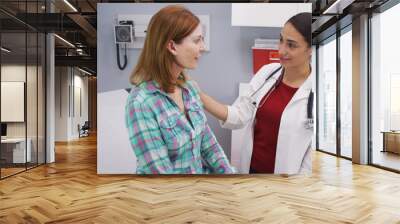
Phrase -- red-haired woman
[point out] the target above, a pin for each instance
(167, 126)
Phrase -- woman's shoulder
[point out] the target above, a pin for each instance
(138, 104)
(139, 95)
(194, 89)
(136, 94)
(194, 92)
(192, 86)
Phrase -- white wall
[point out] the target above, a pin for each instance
(61, 103)
(79, 117)
(14, 73)
(70, 83)
(17, 73)
(33, 125)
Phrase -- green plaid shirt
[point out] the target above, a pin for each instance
(164, 140)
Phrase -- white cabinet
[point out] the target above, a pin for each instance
(266, 14)
(114, 151)
(19, 155)
(17, 146)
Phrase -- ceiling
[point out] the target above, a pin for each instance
(77, 23)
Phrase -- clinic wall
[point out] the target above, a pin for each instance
(219, 72)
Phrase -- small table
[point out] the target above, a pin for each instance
(391, 141)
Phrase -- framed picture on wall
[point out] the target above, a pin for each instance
(12, 101)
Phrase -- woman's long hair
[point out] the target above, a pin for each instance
(155, 61)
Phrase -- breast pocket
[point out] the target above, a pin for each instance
(198, 118)
(175, 135)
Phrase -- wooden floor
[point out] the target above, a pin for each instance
(70, 191)
(10, 171)
(387, 159)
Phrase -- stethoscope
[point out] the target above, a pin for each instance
(309, 123)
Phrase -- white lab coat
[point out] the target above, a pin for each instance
(293, 153)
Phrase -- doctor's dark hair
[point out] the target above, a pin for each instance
(302, 23)
(155, 61)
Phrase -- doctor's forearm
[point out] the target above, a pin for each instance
(217, 109)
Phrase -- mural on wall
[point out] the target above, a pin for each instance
(230, 44)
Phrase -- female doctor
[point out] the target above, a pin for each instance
(277, 111)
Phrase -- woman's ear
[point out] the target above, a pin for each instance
(172, 47)
(309, 51)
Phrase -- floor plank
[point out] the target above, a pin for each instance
(70, 191)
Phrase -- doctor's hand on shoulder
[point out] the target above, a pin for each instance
(217, 109)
